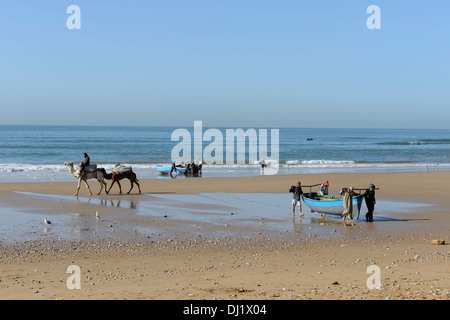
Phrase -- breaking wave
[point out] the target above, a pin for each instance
(416, 143)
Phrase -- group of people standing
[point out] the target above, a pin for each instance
(347, 193)
(190, 168)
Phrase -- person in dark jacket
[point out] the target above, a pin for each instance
(369, 197)
(86, 162)
(174, 168)
(297, 193)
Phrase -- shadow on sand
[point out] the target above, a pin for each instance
(362, 219)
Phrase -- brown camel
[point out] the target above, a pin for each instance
(117, 176)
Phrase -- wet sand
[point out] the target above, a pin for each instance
(224, 238)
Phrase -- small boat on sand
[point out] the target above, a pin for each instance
(331, 204)
(168, 168)
(187, 169)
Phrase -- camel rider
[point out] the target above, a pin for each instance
(86, 162)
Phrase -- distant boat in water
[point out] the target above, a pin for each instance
(310, 139)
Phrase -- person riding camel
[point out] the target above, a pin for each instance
(86, 162)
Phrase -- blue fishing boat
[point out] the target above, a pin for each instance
(331, 204)
(167, 168)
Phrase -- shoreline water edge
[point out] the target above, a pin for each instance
(38, 153)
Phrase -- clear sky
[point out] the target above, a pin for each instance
(244, 63)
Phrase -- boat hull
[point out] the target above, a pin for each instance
(331, 205)
(167, 169)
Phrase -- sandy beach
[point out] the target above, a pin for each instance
(221, 238)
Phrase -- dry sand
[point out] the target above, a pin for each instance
(268, 266)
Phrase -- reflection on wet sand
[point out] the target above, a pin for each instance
(128, 204)
(219, 214)
(118, 204)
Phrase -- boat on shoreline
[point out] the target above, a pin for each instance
(191, 169)
(168, 168)
(333, 205)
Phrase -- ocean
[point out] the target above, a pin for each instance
(38, 153)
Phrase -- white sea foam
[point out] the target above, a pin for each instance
(59, 172)
(319, 162)
(26, 167)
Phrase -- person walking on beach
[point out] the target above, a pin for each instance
(348, 205)
(263, 164)
(174, 168)
(369, 197)
(296, 198)
(323, 189)
(200, 165)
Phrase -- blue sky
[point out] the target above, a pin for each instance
(246, 63)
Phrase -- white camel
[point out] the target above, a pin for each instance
(98, 174)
